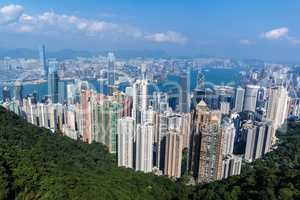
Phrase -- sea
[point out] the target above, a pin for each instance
(213, 76)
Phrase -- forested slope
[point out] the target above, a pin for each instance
(36, 164)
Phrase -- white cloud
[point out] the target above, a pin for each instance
(168, 37)
(10, 13)
(246, 42)
(12, 19)
(293, 40)
(281, 33)
(276, 33)
(56, 24)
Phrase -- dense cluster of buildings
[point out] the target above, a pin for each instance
(209, 135)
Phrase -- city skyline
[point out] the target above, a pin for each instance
(166, 100)
(265, 30)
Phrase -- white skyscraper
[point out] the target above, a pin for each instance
(148, 116)
(140, 99)
(250, 98)
(239, 99)
(144, 147)
(125, 142)
(225, 107)
(229, 132)
(71, 94)
(258, 137)
(231, 165)
(277, 107)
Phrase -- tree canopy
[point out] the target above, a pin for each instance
(37, 164)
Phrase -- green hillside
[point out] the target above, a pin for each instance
(36, 164)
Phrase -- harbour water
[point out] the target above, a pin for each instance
(217, 76)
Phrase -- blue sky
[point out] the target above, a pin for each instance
(267, 29)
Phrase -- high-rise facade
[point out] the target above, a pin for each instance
(53, 80)
(140, 99)
(18, 91)
(239, 99)
(231, 165)
(277, 108)
(229, 133)
(225, 107)
(144, 147)
(111, 74)
(250, 99)
(184, 97)
(173, 154)
(43, 60)
(85, 115)
(257, 138)
(108, 112)
(6, 94)
(126, 134)
(206, 144)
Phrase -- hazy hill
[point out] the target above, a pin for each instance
(71, 54)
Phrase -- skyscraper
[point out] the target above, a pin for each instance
(160, 139)
(140, 99)
(173, 157)
(144, 147)
(257, 136)
(125, 142)
(53, 80)
(239, 99)
(229, 133)
(71, 95)
(277, 107)
(206, 144)
(43, 60)
(231, 165)
(18, 91)
(85, 115)
(250, 99)
(105, 115)
(184, 97)
(111, 72)
(225, 107)
(5, 94)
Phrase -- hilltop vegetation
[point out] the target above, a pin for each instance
(36, 164)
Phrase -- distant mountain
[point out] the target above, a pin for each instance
(69, 53)
(18, 53)
(37, 164)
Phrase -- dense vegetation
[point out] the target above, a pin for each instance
(276, 176)
(36, 164)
